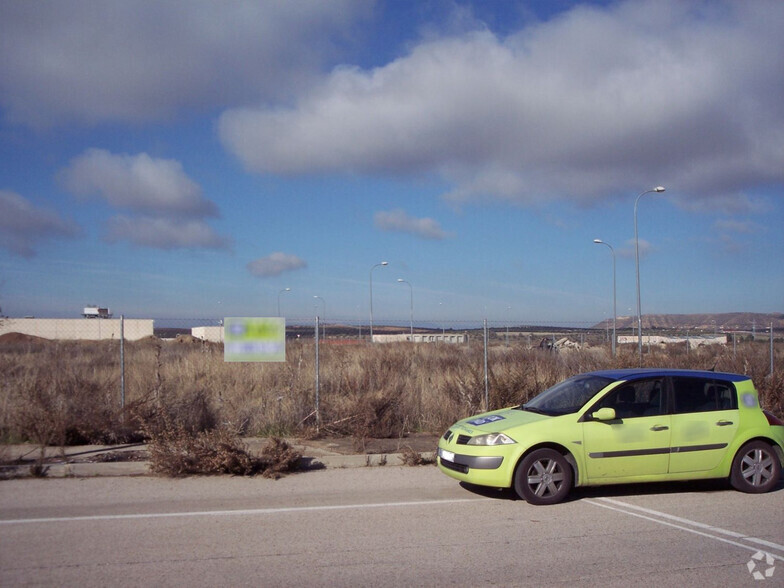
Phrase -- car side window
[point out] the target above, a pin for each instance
(703, 395)
(636, 399)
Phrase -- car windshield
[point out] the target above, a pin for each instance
(568, 396)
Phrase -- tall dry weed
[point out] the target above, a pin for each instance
(57, 393)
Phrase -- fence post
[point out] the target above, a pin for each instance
(487, 381)
(318, 418)
(122, 364)
(771, 348)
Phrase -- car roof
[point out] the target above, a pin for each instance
(637, 373)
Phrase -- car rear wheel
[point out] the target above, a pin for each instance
(756, 468)
(543, 477)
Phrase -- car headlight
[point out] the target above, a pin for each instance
(491, 439)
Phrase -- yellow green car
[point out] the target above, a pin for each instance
(621, 426)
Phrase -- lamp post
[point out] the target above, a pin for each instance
(637, 263)
(411, 288)
(615, 313)
(382, 264)
(279, 293)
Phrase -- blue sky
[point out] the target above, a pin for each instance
(194, 159)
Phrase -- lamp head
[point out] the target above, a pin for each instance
(598, 241)
(659, 189)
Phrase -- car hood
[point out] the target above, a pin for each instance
(497, 421)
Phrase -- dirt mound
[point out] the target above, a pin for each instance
(14, 338)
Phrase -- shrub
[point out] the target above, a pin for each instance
(176, 451)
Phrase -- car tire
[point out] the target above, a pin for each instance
(755, 469)
(543, 477)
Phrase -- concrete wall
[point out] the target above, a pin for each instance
(212, 334)
(85, 329)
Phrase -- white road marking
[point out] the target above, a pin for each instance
(690, 526)
(244, 512)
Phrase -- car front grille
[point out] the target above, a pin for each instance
(463, 439)
(450, 465)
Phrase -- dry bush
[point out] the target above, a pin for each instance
(409, 457)
(175, 451)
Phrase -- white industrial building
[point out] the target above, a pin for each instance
(694, 340)
(90, 329)
(421, 338)
(211, 334)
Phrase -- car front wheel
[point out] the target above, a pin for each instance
(756, 468)
(543, 477)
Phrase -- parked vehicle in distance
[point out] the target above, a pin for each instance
(621, 426)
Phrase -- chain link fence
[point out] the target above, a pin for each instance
(421, 376)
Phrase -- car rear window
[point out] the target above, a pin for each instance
(703, 395)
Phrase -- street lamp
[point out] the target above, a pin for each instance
(279, 293)
(637, 260)
(615, 313)
(411, 288)
(383, 263)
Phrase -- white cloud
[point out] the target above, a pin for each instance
(138, 183)
(168, 208)
(402, 222)
(597, 102)
(145, 60)
(164, 233)
(23, 225)
(737, 226)
(275, 264)
(629, 251)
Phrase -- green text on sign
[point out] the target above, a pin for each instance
(254, 339)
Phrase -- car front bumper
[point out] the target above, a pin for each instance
(483, 470)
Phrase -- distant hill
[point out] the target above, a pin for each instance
(729, 321)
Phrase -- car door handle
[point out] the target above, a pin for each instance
(724, 423)
(659, 428)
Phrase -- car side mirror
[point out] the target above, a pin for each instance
(604, 414)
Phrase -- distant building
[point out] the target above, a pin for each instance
(211, 334)
(96, 312)
(422, 338)
(694, 340)
(78, 329)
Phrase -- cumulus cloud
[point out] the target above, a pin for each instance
(138, 183)
(115, 60)
(164, 233)
(168, 208)
(275, 264)
(401, 222)
(599, 101)
(23, 225)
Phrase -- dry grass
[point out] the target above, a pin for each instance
(58, 393)
(409, 457)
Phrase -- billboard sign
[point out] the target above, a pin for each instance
(254, 339)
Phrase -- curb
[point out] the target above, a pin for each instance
(310, 461)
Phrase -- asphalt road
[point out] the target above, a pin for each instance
(387, 526)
